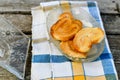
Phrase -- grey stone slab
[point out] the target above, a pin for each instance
(111, 23)
(106, 6)
(21, 21)
(114, 42)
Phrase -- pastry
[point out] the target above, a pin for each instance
(68, 49)
(84, 39)
(76, 41)
(65, 28)
(97, 35)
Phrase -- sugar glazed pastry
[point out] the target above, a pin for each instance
(76, 41)
(66, 27)
(68, 49)
(86, 37)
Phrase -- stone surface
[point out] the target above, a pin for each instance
(111, 23)
(5, 75)
(114, 42)
(21, 21)
(106, 6)
(109, 6)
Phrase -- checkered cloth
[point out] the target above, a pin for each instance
(49, 64)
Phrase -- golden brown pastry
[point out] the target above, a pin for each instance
(84, 39)
(97, 35)
(69, 50)
(82, 44)
(65, 28)
(75, 40)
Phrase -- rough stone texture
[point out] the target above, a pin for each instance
(114, 42)
(21, 21)
(5, 75)
(106, 6)
(111, 23)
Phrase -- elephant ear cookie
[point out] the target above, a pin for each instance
(76, 41)
(97, 35)
(86, 37)
(69, 50)
(65, 28)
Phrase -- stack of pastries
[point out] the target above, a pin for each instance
(76, 41)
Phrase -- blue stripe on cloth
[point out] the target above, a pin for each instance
(46, 59)
(108, 66)
(59, 59)
(111, 77)
(93, 10)
(105, 56)
(41, 58)
(105, 49)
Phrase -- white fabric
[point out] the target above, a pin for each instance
(39, 31)
(97, 66)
